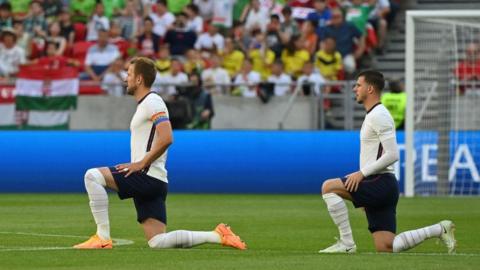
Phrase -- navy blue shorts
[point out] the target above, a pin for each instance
(148, 193)
(378, 194)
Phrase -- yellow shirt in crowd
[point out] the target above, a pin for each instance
(328, 64)
(233, 61)
(294, 62)
(261, 63)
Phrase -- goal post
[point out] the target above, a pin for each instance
(442, 124)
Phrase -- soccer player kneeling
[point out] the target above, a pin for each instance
(145, 178)
(374, 186)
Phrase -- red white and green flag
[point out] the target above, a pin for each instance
(7, 107)
(48, 95)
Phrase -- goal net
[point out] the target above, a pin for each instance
(443, 103)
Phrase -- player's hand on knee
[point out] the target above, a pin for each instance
(122, 167)
(353, 180)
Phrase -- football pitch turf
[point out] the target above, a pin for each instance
(282, 232)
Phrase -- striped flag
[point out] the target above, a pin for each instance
(7, 107)
(48, 95)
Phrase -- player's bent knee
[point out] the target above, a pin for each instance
(94, 175)
(327, 186)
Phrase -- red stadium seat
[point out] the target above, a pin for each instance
(80, 51)
(90, 88)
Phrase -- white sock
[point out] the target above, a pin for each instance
(183, 239)
(95, 186)
(409, 239)
(339, 214)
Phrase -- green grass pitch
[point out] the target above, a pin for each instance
(282, 232)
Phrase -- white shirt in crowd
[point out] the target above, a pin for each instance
(248, 84)
(259, 18)
(206, 41)
(223, 13)
(10, 59)
(315, 79)
(95, 24)
(213, 76)
(379, 6)
(113, 83)
(97, 56)
(195, 25)
(165, 83)
(161, 23)
(151, 108)
(205, 8)
(282, 83)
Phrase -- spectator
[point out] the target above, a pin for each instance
(52, 8)
(232, 58)
(310, 81)
(262, 57)
(24, 39)
(210, 41)
(468, 69)
(240, 37)
(51, 60)
(274, 40)
(328, 60)
(246, 82)
(99, 57)
(35, 22)
(195, 21)
(54, 35)
(289, 26)
(201, 103)
(6, 20)
(130, 21)
(194, 62)
(346, 36)
(163, 62)
(180, 37)
(378, 18)
(148, 42)
(294, 56)
(223, 13)
(255, 16)
(396, 103)
(309, 37)
(357, 13)
(173, 79)
(215, 78)
(322, 15)
(97, 23)
(82, 9)
(66, 27)
(162, 18)
(116, 33)
(11, 55)
(205, 8)
(282, 81)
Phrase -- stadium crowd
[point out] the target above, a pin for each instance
(237, 47)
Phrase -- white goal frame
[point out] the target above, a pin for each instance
(410, 87)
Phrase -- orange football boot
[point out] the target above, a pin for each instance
(95, 242)
(229, 238)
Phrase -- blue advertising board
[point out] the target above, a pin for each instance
(198, 161)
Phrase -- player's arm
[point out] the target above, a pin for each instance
(162, 140)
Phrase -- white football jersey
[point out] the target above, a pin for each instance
(151, 110)
(378, 126)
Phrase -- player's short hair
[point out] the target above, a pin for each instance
(144, 67)
(373, 78)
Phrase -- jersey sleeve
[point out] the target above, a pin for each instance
(156, 109)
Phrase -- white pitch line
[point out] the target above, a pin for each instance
(116, 241)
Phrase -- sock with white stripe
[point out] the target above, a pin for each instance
(95, 186)
(183, 239)
(339, 214)
(409, 239)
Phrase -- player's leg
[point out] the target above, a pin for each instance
(152, 216)
(383, 241)
(96, 180)
(333, 193)
(443, 230)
